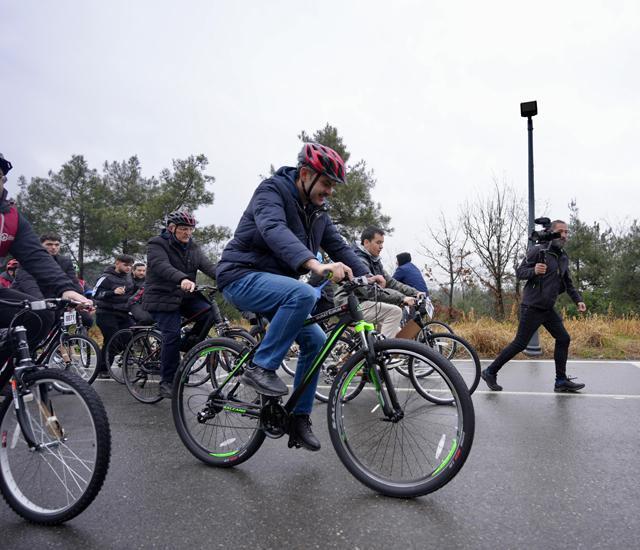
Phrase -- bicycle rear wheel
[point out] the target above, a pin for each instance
(77, 354)
(423, 446)
(141, 366)
(114, 353)
(60, 477)
(221, 427)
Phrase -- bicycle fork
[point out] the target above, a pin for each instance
(385, 390)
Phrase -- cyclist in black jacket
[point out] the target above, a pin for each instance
(18, 239)
(111, 293)
(545, 282)
(173, 260)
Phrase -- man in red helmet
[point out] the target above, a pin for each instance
(276, 241)
(173, 260)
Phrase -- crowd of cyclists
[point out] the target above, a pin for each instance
(281, 236)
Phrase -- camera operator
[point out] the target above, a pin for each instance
(546, 270)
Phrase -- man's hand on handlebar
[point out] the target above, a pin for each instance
(74, 296)
(187, 285)
(378, 279)
(409, 301)
(338, 270)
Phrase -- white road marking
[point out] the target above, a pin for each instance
(560, 394)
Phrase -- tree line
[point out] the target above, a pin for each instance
(470, 257)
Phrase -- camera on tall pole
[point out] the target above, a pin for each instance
(529, 109)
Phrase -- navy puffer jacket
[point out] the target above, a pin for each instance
(276, 234)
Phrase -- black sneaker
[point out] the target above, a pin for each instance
(301, 434)
(264, 381)
(165, 390)
(567, 385)
(490, 380)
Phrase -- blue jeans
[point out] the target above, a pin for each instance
(169, 324)
(286, 302)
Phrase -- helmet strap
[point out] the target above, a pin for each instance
(307, 192)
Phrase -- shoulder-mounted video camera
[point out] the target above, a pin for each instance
(545, 235)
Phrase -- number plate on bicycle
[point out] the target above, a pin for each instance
(69, 318)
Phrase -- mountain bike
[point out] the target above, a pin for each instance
(384, 431)
(56, 441)
(140, 361)
(456, 349)
(66, 350)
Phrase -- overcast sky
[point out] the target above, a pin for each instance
(427, 93)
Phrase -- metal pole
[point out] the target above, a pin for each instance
(533, 348)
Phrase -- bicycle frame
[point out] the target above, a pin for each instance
(350, 315)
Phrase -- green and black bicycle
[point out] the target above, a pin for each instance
(384, 431)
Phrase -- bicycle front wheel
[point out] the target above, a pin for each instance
(77, 354)
(218, 420)
(419, 446)
(59, 477)
(461, 354)
(141, 366)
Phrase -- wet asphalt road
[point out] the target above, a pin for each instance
(546, 471)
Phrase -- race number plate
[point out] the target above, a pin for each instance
(69, 318)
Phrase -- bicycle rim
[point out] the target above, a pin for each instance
(218, 432)
(418, 453)
(60, 478)
(461, 355)
(78, 355)
(142, 366)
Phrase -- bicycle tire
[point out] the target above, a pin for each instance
(85, 444)
(114, 353)
(84, 356)
(440, 326)
(141, 364)
(439, 438)
(460, 353)
(228, 438)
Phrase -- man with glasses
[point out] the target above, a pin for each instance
(173, 260)
(547, 277)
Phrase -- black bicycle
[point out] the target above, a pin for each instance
(56, 441)
(140, 360)
(456, 349)
(384, 431)
(67, 349)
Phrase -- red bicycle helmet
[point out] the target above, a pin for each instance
(181, 217)
(323, 160)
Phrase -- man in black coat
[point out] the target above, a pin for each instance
(111, 294)
(18, 239)
(546, 280)
(173, 260)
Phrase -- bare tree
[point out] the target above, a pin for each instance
(495, 226)
(447, 251)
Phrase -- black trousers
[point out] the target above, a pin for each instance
(530, 320)
(110, 322)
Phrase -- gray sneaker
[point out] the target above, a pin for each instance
(264, 381)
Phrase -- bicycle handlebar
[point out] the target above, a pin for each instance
(39, 305)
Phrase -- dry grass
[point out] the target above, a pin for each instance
(592, 337)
